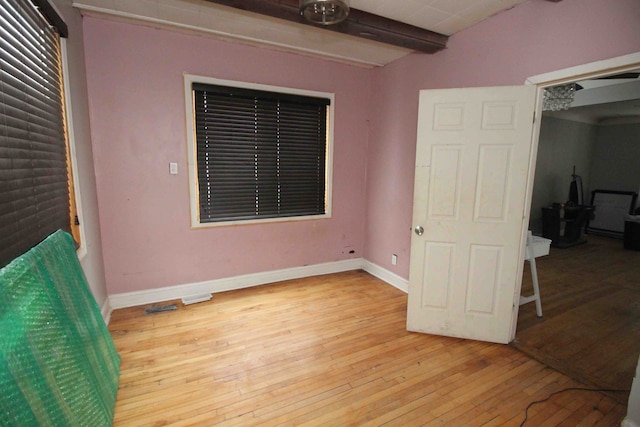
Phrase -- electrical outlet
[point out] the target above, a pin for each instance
(394, 259)
(173, 168)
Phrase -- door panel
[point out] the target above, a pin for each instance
(492, 183)
(484, 272)
(438, 264)
(444, 199)
(472, 165)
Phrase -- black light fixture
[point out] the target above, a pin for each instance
(324, 12)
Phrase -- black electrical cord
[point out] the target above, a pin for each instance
(600, 390)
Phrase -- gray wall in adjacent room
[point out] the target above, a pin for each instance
(616, 158)
(562, 145)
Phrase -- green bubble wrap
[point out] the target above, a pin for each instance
(58, 363)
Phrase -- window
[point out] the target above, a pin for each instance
(36, 191)
(259, 152)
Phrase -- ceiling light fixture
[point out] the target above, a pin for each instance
(324, 12)
(558, 98)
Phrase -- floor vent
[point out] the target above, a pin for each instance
(195, 299)
(160, 309)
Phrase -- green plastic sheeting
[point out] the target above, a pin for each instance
(58, 364)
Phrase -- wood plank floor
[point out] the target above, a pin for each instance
(590, 327)
(329, 350)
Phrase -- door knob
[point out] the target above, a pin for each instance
(419, 230)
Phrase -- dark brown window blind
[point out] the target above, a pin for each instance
(34, 174)
(259, 154)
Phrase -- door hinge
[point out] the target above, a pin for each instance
(76, 220)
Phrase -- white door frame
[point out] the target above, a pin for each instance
(590, 70)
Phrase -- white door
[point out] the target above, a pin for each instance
(472, 166)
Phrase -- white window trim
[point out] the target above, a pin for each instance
(189, 79)
(82, 249)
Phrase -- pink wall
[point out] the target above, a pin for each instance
(135, 83)
(533, 38)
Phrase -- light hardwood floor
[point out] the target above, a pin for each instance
(590, 327)
(329, 350)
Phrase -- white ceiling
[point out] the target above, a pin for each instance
(441, 16)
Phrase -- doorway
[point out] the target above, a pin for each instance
(590, 292)
(452, 297)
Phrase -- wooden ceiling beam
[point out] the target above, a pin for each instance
(359, 24)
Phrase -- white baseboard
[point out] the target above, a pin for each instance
(628, 423)
(132, 299)
(106, 311)
(386, 275)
